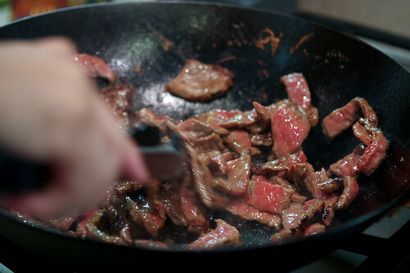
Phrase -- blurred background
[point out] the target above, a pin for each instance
(390, 16)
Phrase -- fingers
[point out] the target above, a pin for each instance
(55, 45)
(133, 166)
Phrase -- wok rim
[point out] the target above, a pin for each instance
(333, 231)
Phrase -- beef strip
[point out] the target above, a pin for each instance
(350, 191)
(281, 165)
(268, 197)
(95, 66)
(342, 118)
(239, 140)
(203, 182)
(181, 203)
(228, 118)
(250, 213)
(297, 89)
(299, 93)
(118, 98)
(195, 215)
(223, 235)
(145, 115)
(348, 165)
(93, 231)
(148, 213)
(297, 214)
(262, 140)
(237, 175)
(290, 127)
(200, 82)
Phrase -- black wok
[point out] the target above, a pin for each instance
(337, 68)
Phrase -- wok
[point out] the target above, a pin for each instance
(337, 68)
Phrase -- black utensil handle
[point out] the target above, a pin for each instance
(19, 175)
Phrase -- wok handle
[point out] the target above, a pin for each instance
(19, 175)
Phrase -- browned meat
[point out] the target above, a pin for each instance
(172, 201)
(282, 165)
(95, 66)
(281, 236)
(348, 166)
(250, 213)
(197, 219)
(268, 197)
(373, 154)
(118, 98)
(342, 118)
(239, 140)
(297, 214)
(238, 173)
(203, 181)
(93, 231)
(148, 213)
(350, 191)
(314, 229)
(262, 140)
(297, 89)
(289, 127)
(200, 82)
(223, 235)
(229, 118)
(298, 198)
(147, 116)
(362, 160)
(229, 170)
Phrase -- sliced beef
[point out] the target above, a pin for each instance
(200, 82)
(204, 181)
(118, 98)
(229, 118)
(281, 236)
(262, 140)
(374, 154)
(289, 128)
(223, 235)
(297, 214)
(182, 205)
(348, 165)
(250, 213)
(350, 191)
(237, 175)
(195, 215)
(344, 117)
(268, 197)
(239, 140)
(148, 212)
(95, 232)
(297, 89)
(280, 166)
(146, 116)
(363, 159)
(95, 66)
(299, 93)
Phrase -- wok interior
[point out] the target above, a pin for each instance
(337, 69)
